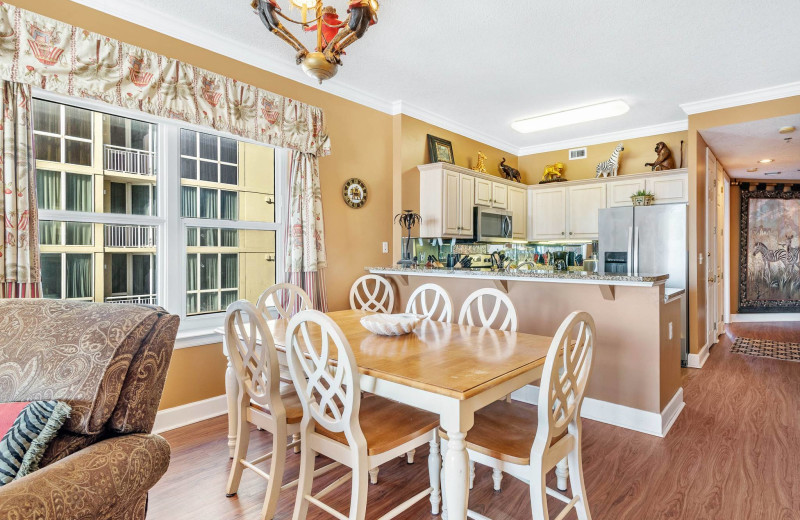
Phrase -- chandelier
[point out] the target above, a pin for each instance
(334, 35)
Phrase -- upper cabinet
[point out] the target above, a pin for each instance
(584, 202)
(548, 212)
(518, 206)
(483, 192)
(668, 188)
(618, 193)
(499, 195)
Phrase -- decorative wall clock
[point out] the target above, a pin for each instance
(355, 193)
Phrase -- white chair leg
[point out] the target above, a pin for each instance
(275, 474)
(539, 493)
(471, 473)
(373, 475)
(358, 500)
(239, 453)
(562, 473)
(576, 479)
(304, 482)
(410, 456)
(232, 393)
(497, 478)
(434, 463)
(296, 437)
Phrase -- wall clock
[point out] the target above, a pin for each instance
(355, 193)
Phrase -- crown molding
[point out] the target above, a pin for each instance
(632, 133)
(743, 98)
(407, 109)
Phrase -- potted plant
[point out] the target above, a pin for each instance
(642, 198)
(407, 220)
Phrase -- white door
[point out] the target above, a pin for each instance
(451, 209)
(584, 203)
(517, 205)
(483, 192)
(499, 195)
(720, 269)
(711, 247)
(548, 214)
(618, 193)
(467, 188)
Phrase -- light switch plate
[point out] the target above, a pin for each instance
(700, 258)
(670, 330)
(386, 247)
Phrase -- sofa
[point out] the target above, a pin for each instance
(109, 363)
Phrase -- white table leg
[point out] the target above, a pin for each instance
(231, 391)
(456, 470)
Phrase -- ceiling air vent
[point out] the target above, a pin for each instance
(577, 153)
(772, 173)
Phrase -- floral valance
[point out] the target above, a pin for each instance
(62, 58)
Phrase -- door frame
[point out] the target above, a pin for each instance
(726, 241)
(711, 246)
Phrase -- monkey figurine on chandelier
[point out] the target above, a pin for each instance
(333, 35)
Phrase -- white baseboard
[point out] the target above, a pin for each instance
(765, 317)
(698, 360)
(187, 414)
(618, 415)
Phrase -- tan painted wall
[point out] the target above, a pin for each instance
(637, 152)
(195, 374)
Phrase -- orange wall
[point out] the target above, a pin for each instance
(637, 152)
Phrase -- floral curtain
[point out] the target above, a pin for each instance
(39, 51)
(305, 244)
(20, 271)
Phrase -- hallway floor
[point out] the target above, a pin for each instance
(734, 453)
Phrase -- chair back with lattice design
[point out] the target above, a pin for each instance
(566, 372)
(253, 356)
(286, 298)
(431, 301)
(372, 293)
(489, 308)
(324, 372)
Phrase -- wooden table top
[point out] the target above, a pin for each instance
(444, 358)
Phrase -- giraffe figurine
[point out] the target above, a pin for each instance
(481, 166)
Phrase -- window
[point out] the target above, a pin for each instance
(98, 178)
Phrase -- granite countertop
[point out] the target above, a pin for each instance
(644, 279)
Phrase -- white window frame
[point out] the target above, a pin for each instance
(63, 128)
(170, 226)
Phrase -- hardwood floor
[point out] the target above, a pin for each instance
(734, 453)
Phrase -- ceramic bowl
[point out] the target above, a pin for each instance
(390, 324)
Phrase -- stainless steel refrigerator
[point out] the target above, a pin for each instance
(643, 240)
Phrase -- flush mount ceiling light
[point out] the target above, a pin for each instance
(786, 129)
(751, 170)
(766, 161)
(571, 117)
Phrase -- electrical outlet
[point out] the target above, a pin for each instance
(670, 330)
(386, 247)
(700, 258)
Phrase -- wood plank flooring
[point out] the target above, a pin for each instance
(734, 453)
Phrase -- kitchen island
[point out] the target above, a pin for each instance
(636, 375)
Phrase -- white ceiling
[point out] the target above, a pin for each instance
(474, 67)
(739, 147)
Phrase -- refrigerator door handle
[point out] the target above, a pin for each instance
(636, 250)
(630, 257)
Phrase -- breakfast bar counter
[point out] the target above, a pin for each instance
(636, 378)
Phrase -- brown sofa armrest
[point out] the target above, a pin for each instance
(96, 482)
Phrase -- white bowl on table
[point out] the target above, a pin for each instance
(390, 324)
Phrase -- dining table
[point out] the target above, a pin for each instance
(448, 369)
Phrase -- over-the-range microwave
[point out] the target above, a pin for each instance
(493, 225)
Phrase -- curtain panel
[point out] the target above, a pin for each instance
(42, 52)
(20, 271)
(305, 240)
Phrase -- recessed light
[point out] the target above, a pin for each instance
(751, 170)
(766, 161)
(571, 117)
(786, 129)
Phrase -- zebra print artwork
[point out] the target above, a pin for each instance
(24, 443)
(769, 257)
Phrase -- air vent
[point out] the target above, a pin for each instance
(772, 173)
(577, 153)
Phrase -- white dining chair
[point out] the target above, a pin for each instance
(502, 436)
(287, 299)
(431, 301)
(260, 401)
(372, 293)
(489, 308)
(361, 433)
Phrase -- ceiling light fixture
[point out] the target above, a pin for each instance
(786, 129)
(766, 161)
(571, 117)
(333, 35)
(751, 170)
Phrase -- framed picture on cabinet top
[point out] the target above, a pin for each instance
(440, 150)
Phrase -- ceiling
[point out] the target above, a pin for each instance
(474, 67)
(739, 147)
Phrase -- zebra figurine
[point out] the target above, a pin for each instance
(611, 166)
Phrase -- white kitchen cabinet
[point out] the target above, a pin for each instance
(584, 203)
(618, 193)
(451, 206)
(499, 195)
(518, 206)
(548, 211)
(483, 192)
(466, 187)
(668, 188)
(446, 202)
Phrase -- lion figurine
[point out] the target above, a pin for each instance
(664, 160)
(553, 172)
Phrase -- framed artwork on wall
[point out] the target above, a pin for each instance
(440, 150)
(769, 251)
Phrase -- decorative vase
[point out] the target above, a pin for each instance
(642, 200)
